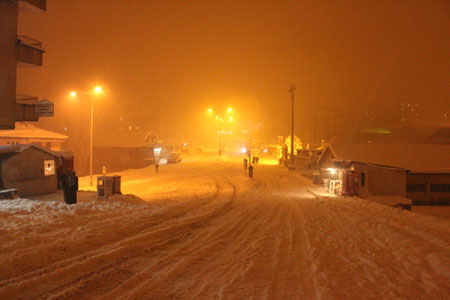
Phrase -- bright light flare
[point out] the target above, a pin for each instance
(210, 110)
(230, 109)
(98, 90)
(332, 171)
(244, 150)
(73, 94)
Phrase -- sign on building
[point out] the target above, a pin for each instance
(44, 108)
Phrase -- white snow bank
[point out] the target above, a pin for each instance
(389, 200)
(46, 211)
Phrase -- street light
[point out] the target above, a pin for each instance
(291, 92)
(219, 126)
(96, 91)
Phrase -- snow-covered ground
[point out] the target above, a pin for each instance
(203, 230)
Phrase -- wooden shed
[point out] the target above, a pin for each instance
(420, 172)
(29, 169)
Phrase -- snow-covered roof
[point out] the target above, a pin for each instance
(27, 130)
(11, 149)
(440, 136)
(414, 157)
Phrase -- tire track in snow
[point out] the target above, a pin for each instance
(79, 263)
(163, 266)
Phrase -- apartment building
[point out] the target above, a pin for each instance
(17, 51)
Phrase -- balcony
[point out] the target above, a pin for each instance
(29, 52)
(32, 6)
(26, 99)
(26, 113)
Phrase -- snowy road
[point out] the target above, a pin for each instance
(206, 231)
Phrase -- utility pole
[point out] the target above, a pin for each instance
(291, 91)
(90, 141)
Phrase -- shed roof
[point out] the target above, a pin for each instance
(13, 149)
(27, 130)
(416, 157)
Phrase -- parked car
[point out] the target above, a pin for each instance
(174, 157)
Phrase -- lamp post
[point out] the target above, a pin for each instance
(291, 91)
(219, 127)
(97, 90)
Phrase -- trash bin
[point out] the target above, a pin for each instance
(116, 184)
(108, 185)
(104, 186)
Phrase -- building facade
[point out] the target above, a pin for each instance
(429, 187)
(25, 133)
(29, 169)
(17, 51)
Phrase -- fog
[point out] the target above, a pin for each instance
(162, 64)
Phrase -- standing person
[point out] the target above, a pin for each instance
(156, 167)
(250, 171)
(245, 162)
(64, 185)
(70, 188)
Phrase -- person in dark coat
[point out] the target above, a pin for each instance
(245, 162)
(70, 188)
(156, 167)
(250, 171)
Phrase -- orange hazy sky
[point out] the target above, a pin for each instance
(184, 56)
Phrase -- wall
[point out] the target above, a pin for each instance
(24, 171)
(428, 189)
(384, 181)
(115, 159)
(8, 64)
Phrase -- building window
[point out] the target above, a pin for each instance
(48, 145)
(415, 188)
(363, 179)
(49, 167)
(440, 188)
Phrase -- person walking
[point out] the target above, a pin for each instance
(245, 162)
(156, 167)
(250, 171)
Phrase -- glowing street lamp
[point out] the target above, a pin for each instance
(96, 91)
(219, 119)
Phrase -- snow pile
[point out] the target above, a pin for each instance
(18, 205)
(389, 200)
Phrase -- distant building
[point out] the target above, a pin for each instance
(17, 51)
(320, 124)
(440, 136)
(409, 113)
(25, 133)
(419, 171)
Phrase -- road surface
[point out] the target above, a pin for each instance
(207, 231)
